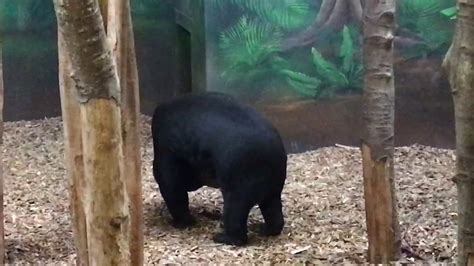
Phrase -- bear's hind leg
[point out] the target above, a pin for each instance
(271, 209)
(237, 205)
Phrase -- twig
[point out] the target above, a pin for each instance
(345, 147)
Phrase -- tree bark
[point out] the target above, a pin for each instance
(98, 92)
(73, 153)
(378, 142)
(2, 216)
(459, 65)
(120, 33)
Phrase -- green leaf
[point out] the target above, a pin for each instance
(328, 71)
(450, 12)
(347, 50)
(356, 76)
(301, 77)
(278, 62)
(302, 89)
(302, 83)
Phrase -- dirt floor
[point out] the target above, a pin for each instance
(323, 204)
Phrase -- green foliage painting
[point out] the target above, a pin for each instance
(342, 75)
(430, 20)
(249, 50)
(251, 54)
(245, 39)
(250, 47)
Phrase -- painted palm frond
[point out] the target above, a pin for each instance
(248, 47)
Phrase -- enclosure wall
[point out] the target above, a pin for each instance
(304, 74)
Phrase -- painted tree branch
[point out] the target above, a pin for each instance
(459, 65)
(333, 15)
(378, 142)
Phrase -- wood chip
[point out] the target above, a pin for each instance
(297, 251)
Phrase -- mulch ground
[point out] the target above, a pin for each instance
(323, 205)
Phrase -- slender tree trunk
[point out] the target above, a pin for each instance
(378, 142)
(73, 152)
(459, 64)
(2, 227)
(120, 32)
(98, 92)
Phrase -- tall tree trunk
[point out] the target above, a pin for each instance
(98, 90)
(120, 32)
(2, 227)
(459, 64)
(73, 152)
(378, 142)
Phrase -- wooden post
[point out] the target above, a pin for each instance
(2, 216)
(97, 85)
(120, 33)
(378, 142)
(459, 65)
(73, 152)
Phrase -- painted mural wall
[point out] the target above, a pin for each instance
(298, 61)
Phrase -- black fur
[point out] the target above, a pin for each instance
(211, 139)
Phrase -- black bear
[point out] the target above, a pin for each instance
(211, 139)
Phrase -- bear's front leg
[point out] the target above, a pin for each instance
(170, 175)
